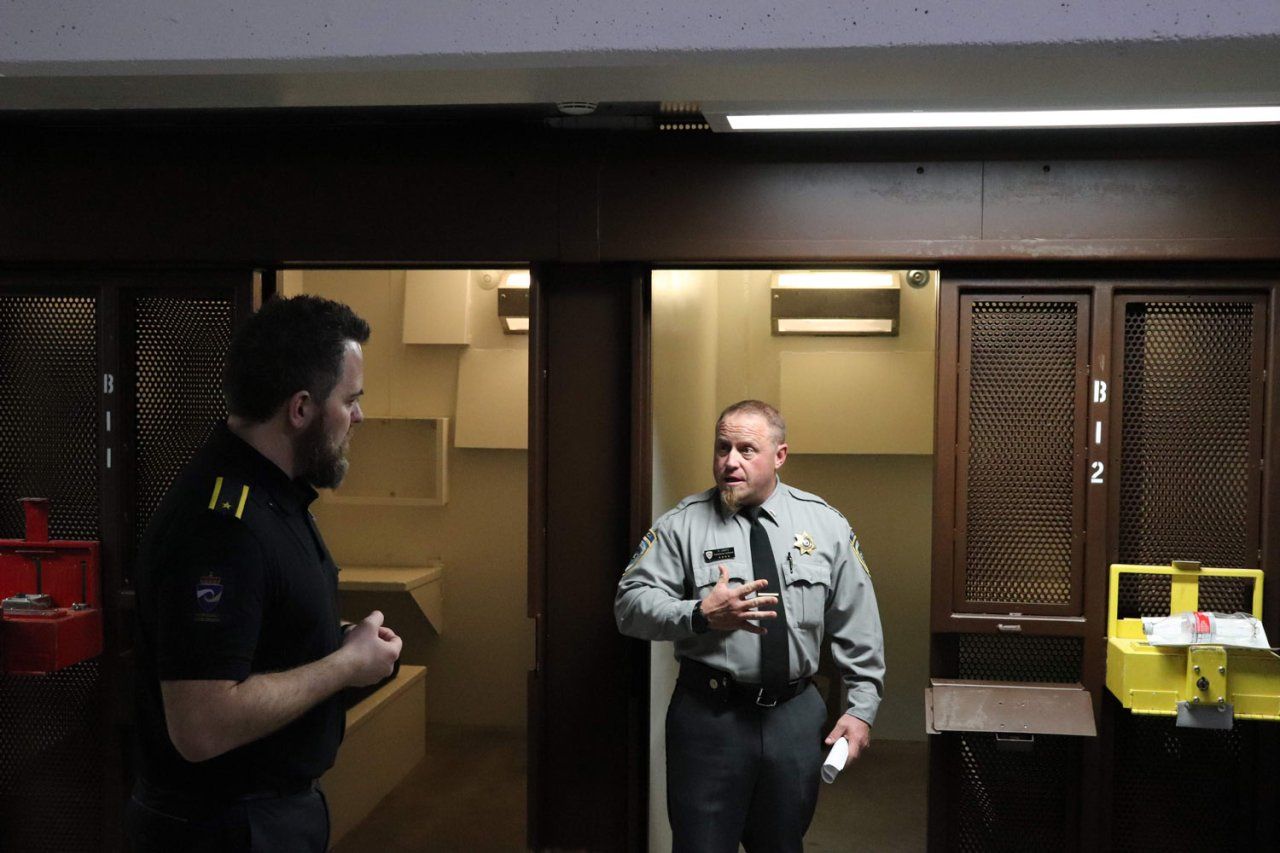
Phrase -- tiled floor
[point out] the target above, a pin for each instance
(469, 796)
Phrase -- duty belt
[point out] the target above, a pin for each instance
(721, 686)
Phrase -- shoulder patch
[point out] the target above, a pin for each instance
(646, 542)
(229, 497)
(857, 551)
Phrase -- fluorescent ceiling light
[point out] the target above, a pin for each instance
(834, 327)
(992, 119)
(859, 280)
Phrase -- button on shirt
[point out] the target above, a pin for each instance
(826, 588)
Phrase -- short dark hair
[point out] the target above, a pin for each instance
(777, 426)
(290, 345)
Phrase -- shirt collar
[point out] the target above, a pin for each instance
(773, 504)
(292, 495)
(769, 509)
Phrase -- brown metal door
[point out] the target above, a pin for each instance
(588, 696)
(1187, 455)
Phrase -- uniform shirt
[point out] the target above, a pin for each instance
(826, 588)
(234, 579)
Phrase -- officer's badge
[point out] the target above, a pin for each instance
(209, 593)
(804, 543)
(646, 542)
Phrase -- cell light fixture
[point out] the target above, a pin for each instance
(740, 120)
(513, 302)
(836, 302)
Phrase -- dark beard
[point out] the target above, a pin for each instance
(322, 466)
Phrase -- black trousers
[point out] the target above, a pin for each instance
(298, 823)
(739, 772)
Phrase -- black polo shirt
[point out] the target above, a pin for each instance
(234, 579)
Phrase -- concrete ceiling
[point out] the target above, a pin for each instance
(159, 54)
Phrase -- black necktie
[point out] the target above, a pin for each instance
(775, 652)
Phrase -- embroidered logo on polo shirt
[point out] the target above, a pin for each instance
(209, 596)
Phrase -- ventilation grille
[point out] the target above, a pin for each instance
(1020, 494)
(1011, 800)
(1007, 657)
(180, 347)
(1185, 459)
(51, 761)
(49, 425)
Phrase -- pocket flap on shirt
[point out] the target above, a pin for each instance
(709, 573)
(810, 573)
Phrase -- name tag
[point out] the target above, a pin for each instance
(717, 554)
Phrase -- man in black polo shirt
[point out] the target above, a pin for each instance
(240, 651)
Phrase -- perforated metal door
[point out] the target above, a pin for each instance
(179, 349)
(1020, 506)
(1014, 800)
(49, 426)
(51, 744)
(1190, 400)
(1183, 789)
(1008, 657)
(1191, 408)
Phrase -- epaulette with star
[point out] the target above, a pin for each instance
(229, 497)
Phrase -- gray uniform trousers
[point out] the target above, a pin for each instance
(740, 772)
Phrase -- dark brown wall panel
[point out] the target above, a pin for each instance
(293, 193)
(1229, 199)
(583, 693)
(747, 210)
(351, 188)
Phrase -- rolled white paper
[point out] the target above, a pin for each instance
(836, 758)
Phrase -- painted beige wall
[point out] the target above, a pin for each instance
(889, 503)
(684, 323)
(477, 669)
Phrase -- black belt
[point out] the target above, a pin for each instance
(189, 806)
(723, 687)
(291, 790)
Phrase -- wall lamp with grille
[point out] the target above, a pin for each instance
(513, 302)
(843, 302)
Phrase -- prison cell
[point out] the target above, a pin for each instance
(110, 384)
(1138, 407)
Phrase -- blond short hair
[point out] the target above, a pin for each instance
(777, 426)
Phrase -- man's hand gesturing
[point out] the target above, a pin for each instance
(730, 610)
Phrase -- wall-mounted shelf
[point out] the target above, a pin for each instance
(385, 739)
(421, 583)
(397, 462)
